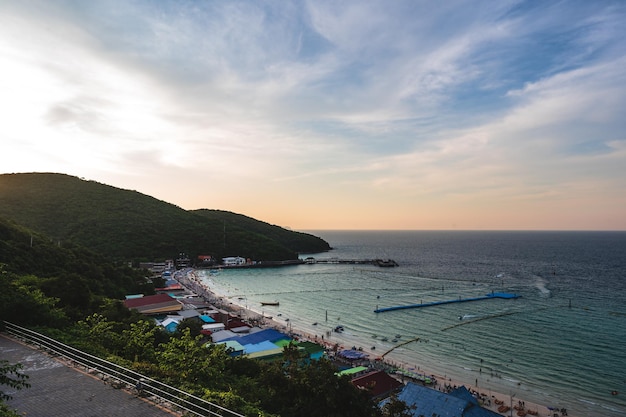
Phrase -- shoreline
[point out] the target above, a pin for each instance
(490, 399)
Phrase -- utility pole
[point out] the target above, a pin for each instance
(512, 396)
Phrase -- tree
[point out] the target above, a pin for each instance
(193, 324)
(298, 386)
(22, 302)
(194, 363)
(12, 377)
(102, 333)
(140, 341)
(397, 408)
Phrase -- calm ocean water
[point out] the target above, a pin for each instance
(562, 344)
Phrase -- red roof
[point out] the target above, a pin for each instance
(154, 304)
(234, 323)
(377, 383)
(147, 300)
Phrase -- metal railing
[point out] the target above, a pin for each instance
(123, 377)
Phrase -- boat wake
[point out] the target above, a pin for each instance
(540, 283)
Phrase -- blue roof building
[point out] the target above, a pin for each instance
(432, 403)
(270, 335)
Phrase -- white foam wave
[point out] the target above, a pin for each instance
(607, 407)
(540, 283)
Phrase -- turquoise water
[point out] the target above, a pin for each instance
(562, 344)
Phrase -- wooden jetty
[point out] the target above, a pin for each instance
(492, 295)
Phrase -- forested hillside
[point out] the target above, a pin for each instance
(43, 283)
(128, 225)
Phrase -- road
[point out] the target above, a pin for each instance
(64, 391)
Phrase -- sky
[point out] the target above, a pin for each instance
(312, 115)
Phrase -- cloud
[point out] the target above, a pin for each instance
(454, 102)
(559, 134)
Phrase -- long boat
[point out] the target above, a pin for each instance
(270, 303)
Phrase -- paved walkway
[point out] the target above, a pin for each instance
(58, 390)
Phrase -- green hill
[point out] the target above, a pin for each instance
(47, 284)
(128, 225)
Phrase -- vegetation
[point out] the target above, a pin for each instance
(12, 377)
(291, 386)
(127, 225)
(47, 284)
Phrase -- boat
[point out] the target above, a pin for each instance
(270, 303)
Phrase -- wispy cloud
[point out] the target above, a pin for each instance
(417, 104)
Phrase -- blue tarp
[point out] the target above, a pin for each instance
(171, 327)
(352, 354)
(206, 319)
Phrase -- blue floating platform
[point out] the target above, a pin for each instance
(491, 295)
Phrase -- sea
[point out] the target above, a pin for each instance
(562, 344)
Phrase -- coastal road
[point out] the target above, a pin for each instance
(59, 390)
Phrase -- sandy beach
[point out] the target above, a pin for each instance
(490, 399)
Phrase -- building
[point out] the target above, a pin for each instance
(233, 261)
(154, 304)
(205, 260)
(264, 343)
(432, 403)
(379, 384)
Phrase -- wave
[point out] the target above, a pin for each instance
(606, 407)
(582, 400)
(540, 283)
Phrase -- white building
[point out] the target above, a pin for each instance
(233, 261)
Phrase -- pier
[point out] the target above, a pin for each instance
(383, 263)
(378, 262)
(492, 295)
